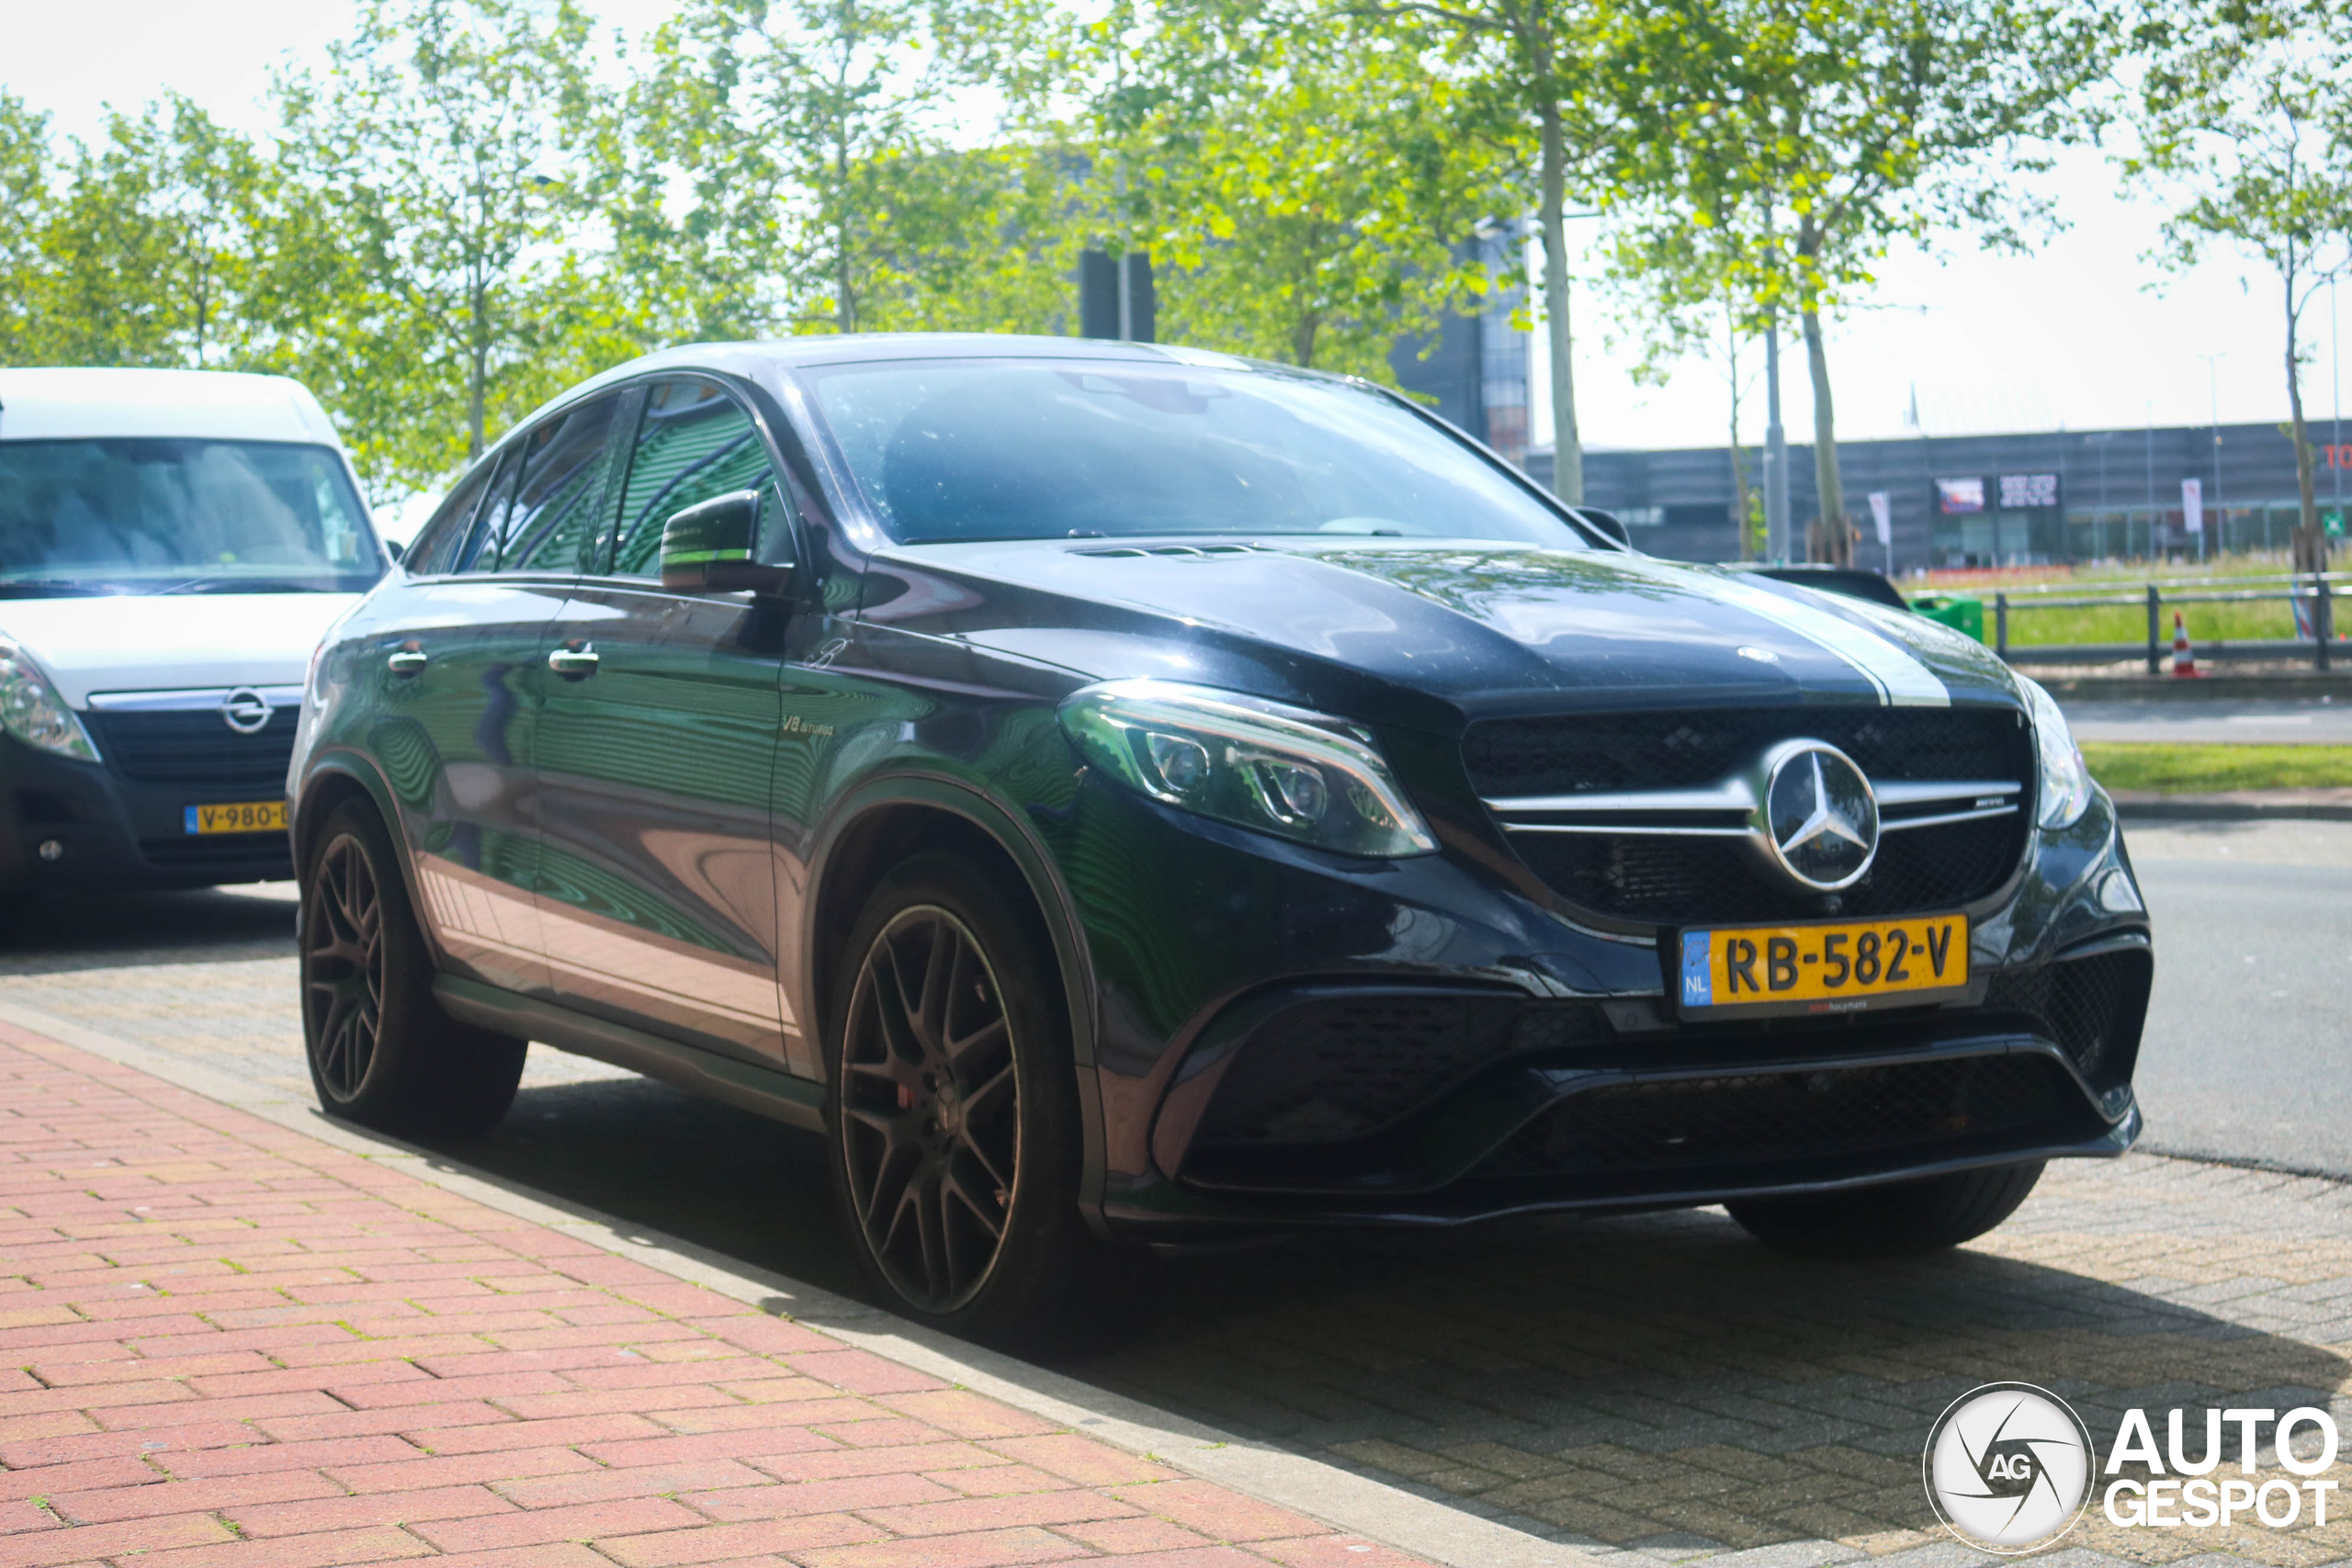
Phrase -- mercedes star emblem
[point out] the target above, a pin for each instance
(1820, 815)
(245, 711)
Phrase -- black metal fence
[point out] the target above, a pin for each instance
(2310, 595)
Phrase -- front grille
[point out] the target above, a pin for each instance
(1327, 1070)
(1757, 1119)
(197, 750)
(1614, 751)
(1659, 879)
(1670, 881)
(2092, 1007)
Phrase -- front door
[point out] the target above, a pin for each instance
(465, 684)
(655, 751)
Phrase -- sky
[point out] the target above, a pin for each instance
(2086, 333)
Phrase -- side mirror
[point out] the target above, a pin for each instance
(1608, 524)
(709, 549)
(395, 549)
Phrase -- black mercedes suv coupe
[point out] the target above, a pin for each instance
(1123, 795)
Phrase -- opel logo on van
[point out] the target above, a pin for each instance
(245, 711)
(1819, 816)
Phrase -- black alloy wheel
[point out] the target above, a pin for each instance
(930, 1110)
(342, 968)
(382, 1053)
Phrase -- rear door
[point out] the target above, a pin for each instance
(656, 749)
(464, 682)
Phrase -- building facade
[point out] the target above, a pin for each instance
(1981, 500)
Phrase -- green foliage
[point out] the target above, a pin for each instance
(1308, 196)
(2246, 117)
(444, 140)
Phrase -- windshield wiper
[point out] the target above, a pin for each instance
(54, 588)
(227, 583)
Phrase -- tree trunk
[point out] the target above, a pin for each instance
(1567, 451)
(1835, 536)
(477, 370)
(2311, 541)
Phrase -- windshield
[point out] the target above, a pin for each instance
(151, 516)
(1035, 450)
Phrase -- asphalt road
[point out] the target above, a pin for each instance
(2248, 1051)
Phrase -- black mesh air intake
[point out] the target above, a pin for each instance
(1339, 1068)
(1760, 1119)
(2091, 1006)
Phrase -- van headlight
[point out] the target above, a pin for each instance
(1253, 763)
(31, 710)
(2065, 791)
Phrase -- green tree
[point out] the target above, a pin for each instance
(1803, 139)
(1310, 194)
(1548, 61)
(2246, 116)
(439, 150)
(140, 256)
(27, 159)
(827, 194)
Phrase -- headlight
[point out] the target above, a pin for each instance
(1252, 763)
(2066, 779)
(31, 710)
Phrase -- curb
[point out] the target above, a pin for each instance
(1352, 1502)
(2333, 807)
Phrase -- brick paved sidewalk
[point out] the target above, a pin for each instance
(229, 1343)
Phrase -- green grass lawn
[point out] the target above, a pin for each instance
(2202, 770)
(2270, 616)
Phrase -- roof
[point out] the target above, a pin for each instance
(754, 360)
(220, 405)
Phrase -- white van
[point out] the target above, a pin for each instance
(173, 544)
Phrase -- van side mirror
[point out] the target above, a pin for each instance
(710, 547)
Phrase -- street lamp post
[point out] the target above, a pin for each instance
(2213, 387)
(1776, 451)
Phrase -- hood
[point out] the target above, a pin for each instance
(1481, 628)
(161, 642)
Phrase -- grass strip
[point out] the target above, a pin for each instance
(2168, 769)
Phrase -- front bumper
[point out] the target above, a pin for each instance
(1419, 1045)
(114, 834)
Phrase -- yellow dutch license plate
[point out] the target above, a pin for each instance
(1822, 966)
(241, 817)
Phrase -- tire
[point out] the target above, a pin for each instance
(382, 1051)
(952, 1117)
(1899, 1218)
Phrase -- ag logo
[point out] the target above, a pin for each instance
(2008, 1467)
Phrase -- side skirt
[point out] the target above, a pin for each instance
(799, 1102)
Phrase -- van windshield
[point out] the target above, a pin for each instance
(1010, 449)
(120, 515)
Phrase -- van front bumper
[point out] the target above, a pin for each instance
(66, 824)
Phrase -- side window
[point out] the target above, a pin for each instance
(563, 479)
(439, 541)
(477, 549)
(693, 442)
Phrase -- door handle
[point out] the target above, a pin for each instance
(407, 662)
(573, 661)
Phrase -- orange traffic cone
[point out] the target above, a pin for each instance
(2184, 663)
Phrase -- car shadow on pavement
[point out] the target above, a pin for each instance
(57, 933)
(1657, 1379)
